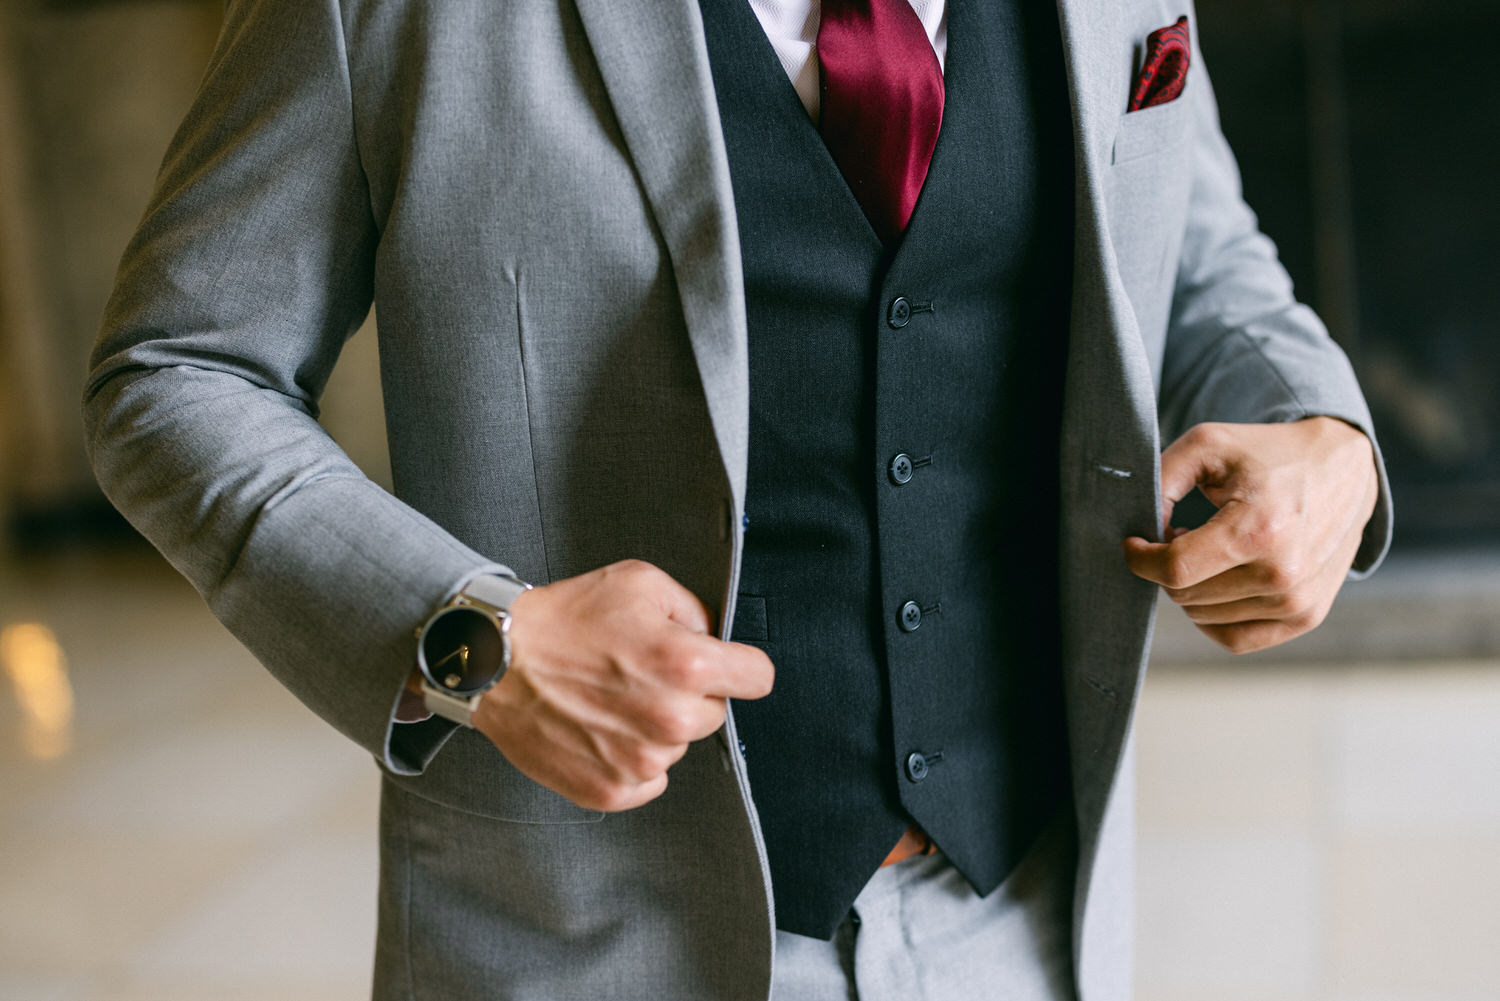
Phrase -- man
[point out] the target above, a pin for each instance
(652, 336)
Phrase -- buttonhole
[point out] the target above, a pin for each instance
(925, 460)
(1101, 688)
(935, 757)
(932, 609)
(1123, 474)
(921, 307)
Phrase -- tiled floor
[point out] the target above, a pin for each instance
(1326, 833)
(204, 836)
(1307, 834)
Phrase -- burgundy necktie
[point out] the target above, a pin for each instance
(882, 104)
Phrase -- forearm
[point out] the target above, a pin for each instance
(251, 267)
(1239, 347)
(319, 571)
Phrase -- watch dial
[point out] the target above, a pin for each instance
(461, 651)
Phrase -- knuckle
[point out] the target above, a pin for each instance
(1238, 640)
(1206, 435)
(612, 797)
(1285, 604)
(1177, 573)
(1282, 576)
(1257, 537)
(673, 723)
(1240, 643)
(1180, 595)
(1303, 608)
(712, 719)
(601, 794)
(615, 799)
(644, 761)
(637, 574)
(1308, 618)
(684, 669)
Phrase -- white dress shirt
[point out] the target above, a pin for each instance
(792, 27)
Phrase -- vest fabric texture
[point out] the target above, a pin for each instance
(900, 562)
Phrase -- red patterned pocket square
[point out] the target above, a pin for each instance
(1164, 69)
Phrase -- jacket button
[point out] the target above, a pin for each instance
(899, 313)
(916, 766)
(911, 616)
(901, 469)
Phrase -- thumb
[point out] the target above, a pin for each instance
(1201, 457)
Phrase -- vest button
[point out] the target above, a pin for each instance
(899, 313)
(916, 766)
(911, 616)
(901, 469)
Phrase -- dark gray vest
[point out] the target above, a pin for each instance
(900, 561)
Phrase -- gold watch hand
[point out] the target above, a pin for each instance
(462, 653)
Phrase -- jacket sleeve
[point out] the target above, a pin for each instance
(250, 269)
(1239, 346)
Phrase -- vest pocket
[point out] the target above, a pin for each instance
(751, 624)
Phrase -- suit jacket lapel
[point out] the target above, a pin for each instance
(654, 62)
(1109, 455)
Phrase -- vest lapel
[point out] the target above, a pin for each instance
(654, 62)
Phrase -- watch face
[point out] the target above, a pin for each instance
(461, 651)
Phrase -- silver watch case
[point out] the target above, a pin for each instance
(463, 650)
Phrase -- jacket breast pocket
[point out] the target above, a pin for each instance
(1152, 130)
(1147, 192)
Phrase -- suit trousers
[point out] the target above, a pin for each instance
(919, 932)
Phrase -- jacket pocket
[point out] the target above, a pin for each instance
(1152, 130)
(471, 776)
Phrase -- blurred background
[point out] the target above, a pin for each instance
(1318, 823)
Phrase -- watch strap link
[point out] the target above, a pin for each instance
(493, 589)
(458, 708)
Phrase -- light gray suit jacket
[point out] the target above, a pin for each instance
(537, 198)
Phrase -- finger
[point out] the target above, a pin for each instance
(1190, 558)
(687, 663)
(683, 606)
(1240, 583)
(740, 673)
(713, 668)
(678, 720)
(1284, 607)
(1196, 457)
(631, 760)
(748, 673)
(616, 797)
(1247, 637)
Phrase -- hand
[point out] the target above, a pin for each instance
(1293, 501)
(612, 675)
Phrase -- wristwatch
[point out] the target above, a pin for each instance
(464, 649)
